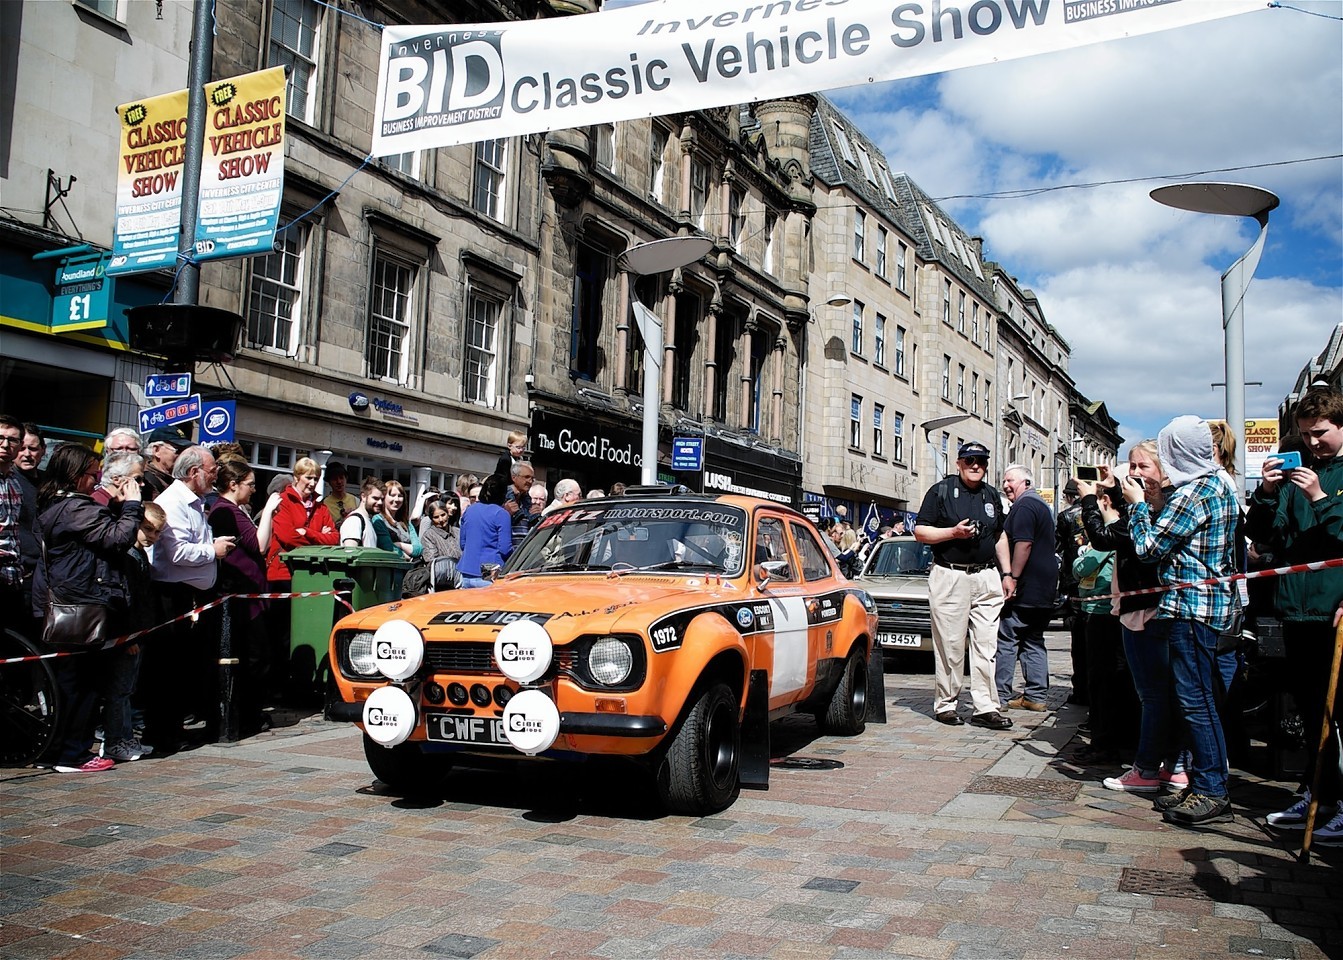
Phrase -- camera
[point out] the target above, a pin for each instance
(1089, 473)
(1291, 460)
(976, 528)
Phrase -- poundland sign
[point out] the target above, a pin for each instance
(450, 84)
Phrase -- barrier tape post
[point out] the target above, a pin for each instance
(1326, 730)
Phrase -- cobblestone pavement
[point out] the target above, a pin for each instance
(914, 840)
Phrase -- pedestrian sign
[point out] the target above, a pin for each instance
(171, 414)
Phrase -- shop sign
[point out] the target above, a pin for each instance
(217, 421)
(83, 294)
(390, 408)
(687, 453)
(718, 478)
(378, 443)
(557, 438)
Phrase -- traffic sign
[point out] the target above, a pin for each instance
(167, 386)
(217, 420)
(687, 453)
(170, 414)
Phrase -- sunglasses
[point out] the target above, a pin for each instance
(977, 461)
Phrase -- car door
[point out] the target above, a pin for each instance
(792, 669)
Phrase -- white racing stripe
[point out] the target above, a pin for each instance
(790, 646)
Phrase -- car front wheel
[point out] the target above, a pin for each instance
(405, 768)
(846, 714)
(700, 773)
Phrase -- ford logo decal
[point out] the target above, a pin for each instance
(744, 617)
(358, 401)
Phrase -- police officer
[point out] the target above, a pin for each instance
(962, 519)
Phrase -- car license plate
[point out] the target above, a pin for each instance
(900, 639)
(456, 728)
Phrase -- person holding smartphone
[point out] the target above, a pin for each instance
(1299, 509)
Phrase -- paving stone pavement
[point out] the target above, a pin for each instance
(282, 847)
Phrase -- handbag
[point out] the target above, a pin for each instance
(82, 625)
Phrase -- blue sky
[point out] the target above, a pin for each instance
(1131, 285)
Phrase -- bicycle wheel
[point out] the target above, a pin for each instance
(28, 703)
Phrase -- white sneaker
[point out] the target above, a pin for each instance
(1294, 817)
(1331, 834)
(123, 750)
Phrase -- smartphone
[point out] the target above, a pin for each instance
(1089, 473)
(1290, 460)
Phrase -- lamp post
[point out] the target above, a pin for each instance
(937, 423)
(645, 259)
(1233, 200)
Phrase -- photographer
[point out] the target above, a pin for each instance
(962, 519)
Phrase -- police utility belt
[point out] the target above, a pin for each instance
(966, 567)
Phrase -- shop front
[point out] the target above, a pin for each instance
(594, 452)
(737, 466)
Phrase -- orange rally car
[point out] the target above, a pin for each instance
(661, 626)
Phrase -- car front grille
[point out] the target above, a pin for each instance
(904, 616)
(461, 656)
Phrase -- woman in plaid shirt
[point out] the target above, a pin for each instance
(1192, 538)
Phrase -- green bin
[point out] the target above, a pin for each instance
(376, 576)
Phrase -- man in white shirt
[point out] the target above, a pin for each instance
(183, 661)
(357, 529)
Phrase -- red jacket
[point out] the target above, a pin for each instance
(291, 516)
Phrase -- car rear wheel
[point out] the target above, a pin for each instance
(406, 768)
(846, 714)
(700, 773)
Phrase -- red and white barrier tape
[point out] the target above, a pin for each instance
(192, 614)
(1252, 575)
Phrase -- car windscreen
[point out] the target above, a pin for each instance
(899, 558)
(602, 536)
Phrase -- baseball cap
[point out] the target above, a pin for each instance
(174, 435)
(972, 448)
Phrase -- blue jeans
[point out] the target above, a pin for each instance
(468, 582)
(1193, 663)
(122, 670)
(1021, 635)
(1148, 655)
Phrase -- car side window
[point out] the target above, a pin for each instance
(815, 566)
(771, 549)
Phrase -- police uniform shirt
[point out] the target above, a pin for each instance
(947, 503)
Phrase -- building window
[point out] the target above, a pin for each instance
(878, 430)
(585, 343)
(946, 377)
(727, 366)
(842, 138)
(108, 8)
(275, 293)
(988, 334)
(759, 353)
(389, 320)
(866, 161)
(657, 164)
(859, 235)
(294, 26)
(902, 253)
(856, 422)
(898, 438)
(480, 364)
(899, 351)
(606, 145)
(946, 302)
(490, 179)
(689, 313)
(735, 220)
(974, 322)
(856, 340)
(882, 236)
(974, 392)
(960, 314)
(879, 344)
(960, 385)
(699, 191)
(771, 225)
(988, 404)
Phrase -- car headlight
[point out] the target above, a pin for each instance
(360, 654)
(610, 661)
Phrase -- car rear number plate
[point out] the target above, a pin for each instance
(452, 728)
(900, 639)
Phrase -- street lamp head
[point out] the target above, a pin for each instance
(1227, 199)
(839, 300)
(660, 256)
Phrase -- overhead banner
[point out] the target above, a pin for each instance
(149, 183)
(242, 174)
(1261, 442)
(242, 169)
(457, 83)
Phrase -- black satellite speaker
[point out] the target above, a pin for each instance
(182, 332)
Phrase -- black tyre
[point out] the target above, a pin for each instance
(846, 715)
(406, 768)
(700, 773)
(28, 703)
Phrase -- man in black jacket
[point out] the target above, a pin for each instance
(20, 544)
